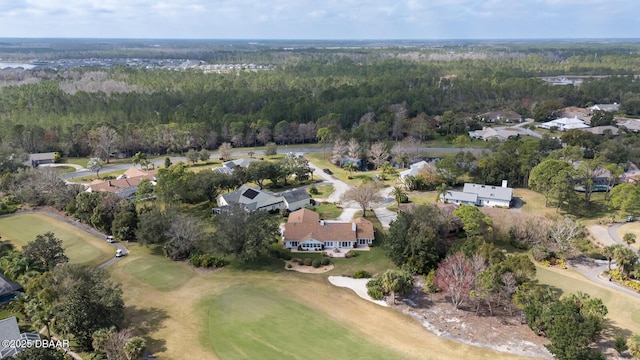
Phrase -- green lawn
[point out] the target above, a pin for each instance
(327, 211)
(624, 310)
(324, 191)
(254, 322)
(158, 273)
(102, 175)
(356, 177)
(633, 228)
(81, 247)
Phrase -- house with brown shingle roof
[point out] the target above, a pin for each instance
(306, 231)
(125, 185)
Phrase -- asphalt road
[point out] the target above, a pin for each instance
(214, 155)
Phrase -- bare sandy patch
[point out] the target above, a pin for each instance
(359, 286)
(307, 269)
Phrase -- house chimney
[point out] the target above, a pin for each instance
(353, 227)
(504, 183)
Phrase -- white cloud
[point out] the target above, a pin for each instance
(319, 19)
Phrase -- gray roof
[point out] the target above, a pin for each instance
(489, 191)
(223, 170)
(240, 162)
(9, 330)
(460, 196)
(42, 156)
(7, 286)
(599, 130)
(295, 195)
(252, 198)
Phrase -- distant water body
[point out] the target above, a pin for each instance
(7, 65)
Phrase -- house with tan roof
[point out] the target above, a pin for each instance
(507, 116)
(487, 134)
(305, 231)
(124, 185)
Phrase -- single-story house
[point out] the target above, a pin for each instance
(600, 130)
(306, 231)
(575, 112)
(126, 185)
(8, 289)
(564, 124)
(480, 195)
(252, 199)
(414, 169)
(295, 199)
(41, 158)
(228, 166)
(507, 116)
(605, 107)
(487, 134)
(629, 124)
(9, 334)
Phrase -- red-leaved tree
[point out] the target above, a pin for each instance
(456, 276)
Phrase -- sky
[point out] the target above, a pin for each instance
(321, 19)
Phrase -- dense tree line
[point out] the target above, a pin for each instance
(159, 111)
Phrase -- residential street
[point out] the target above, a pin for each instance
(591, 269)
(214, 155)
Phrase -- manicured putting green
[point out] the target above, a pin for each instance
(159, 273)
(247, 322)
(80, 246)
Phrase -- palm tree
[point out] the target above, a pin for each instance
(398, 194)
(350, 167)
(134, 348)
(629, 238)
(140, 158)
(634, 345)
(441, 192)
(609, 252)
(387, 169)
(95, 165)
(40, 314)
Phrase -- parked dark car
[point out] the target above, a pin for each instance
(327, 171)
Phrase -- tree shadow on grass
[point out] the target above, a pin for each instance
(264, 263)
(144, 321)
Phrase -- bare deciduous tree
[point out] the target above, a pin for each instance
(353, 149)
(184, 235)
(365, 195)
(563, 233)
(406, 150)
(103, 141)
(340, 149)
(225, 150)
(378, 153)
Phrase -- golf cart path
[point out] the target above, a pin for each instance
(591, 269)
(79, 226)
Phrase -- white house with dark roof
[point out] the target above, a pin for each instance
(295, 199)
(480, 195)
(252, 199)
